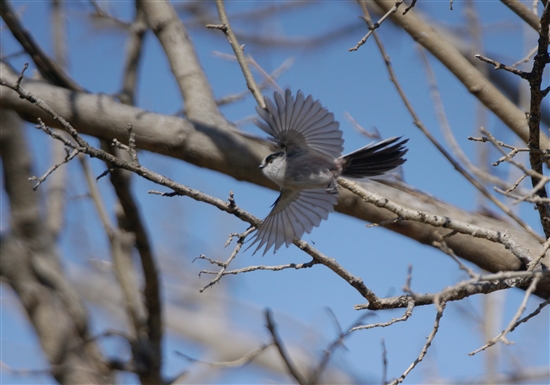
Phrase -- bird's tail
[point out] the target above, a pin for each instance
(374, 159)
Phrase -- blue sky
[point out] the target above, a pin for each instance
(181, 229)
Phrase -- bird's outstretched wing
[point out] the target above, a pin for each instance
(301, 124)
(294, 213)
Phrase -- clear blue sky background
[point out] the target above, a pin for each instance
(181, 229)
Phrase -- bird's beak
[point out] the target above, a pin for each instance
(261, 166)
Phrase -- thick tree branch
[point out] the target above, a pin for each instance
(149, 347)
(131, 220)
(524, 13)
(238, 156)
(199, 102)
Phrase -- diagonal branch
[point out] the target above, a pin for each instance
(523, 12)
(281, 348)
(225, 27)
(49, 69)
(199, 102)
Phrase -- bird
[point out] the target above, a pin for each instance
(307, 166)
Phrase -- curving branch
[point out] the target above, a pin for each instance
(523, 12)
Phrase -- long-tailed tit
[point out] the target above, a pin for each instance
(308, 165)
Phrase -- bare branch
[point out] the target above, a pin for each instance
(447, 131)
(239, 362)
(376, 25)
(281, 348)
(133, 55)
(224, 265)
(327, 353)
(225, 27)
(513, 322)
(48, 68)
(248, 269)
(199, 102)
(447, 250)
(434, 220)
(68, 157)
(404, 317)
(269, 79)
(500, 66)
(425, 348)
(524, 12)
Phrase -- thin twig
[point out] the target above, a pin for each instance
(513, 322)
(327, 353)
(248, 269)
(542, 180)
(485, 284)
(372, 27)
(447, 250)
(224, 266)
(500, 66)
(281, 348)
(446, 127)
(269, 79)
(225, 27)
(239, 362)
(424, 348)
(535, 262)
(69, 156)
(404, 317)
(384, 362)
(527, 57)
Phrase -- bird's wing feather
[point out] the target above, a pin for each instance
(300, 123)
(295, 212)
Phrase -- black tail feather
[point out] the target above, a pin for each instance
(375, 159)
